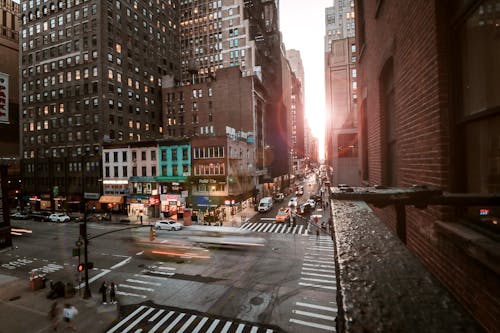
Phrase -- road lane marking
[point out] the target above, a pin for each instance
(315, 325)
(121, 263)
(315, 260)
(317, 307)
(226, 327)
(144, 282)
(240, 328)
(187, 323)
(316, 286)
(156, 315)
(200, 325)
(318, 270)
(172, 324)
(318, 265)
(130, 316)
(270, 225)
(130, 294)
(162, 320)
(104, 272)
(212, 327)
(138, 320)
(135, 287)
(313, 315)
(319, 280)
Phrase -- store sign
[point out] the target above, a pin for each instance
(4, 98)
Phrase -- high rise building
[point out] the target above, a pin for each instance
(9, 79)
(297, 66)
(217, 35)
(91, 73)
(339, 22)
(341, 132)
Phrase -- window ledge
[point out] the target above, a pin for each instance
(473, 243)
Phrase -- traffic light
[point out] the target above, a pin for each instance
(81, 267)
(152, 234)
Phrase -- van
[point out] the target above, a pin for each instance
(265, 204)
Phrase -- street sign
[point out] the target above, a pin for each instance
(90, 195)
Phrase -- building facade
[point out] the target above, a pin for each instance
(91, 73)
(341, 141)
(429, 114)
(339, 22)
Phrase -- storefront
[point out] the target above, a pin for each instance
(143, 205)
(114, 203)
(171, 204)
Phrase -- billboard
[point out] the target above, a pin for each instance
(4, 98)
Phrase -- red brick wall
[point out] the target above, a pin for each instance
(415, 35)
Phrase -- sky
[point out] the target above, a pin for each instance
(302, 24)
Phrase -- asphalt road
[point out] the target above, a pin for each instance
(260, 280)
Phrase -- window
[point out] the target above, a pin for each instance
(388, 120)
(144, 171)
(478, 118)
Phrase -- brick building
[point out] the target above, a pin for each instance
(428, 82)
(90, 73)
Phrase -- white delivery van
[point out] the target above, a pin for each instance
(265, 204)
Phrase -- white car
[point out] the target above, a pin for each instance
(59, 217)
(293, 202)
(168, 225)
(311, 203)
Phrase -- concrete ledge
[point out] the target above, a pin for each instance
(384, 287)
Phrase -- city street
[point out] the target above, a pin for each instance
(260, 277)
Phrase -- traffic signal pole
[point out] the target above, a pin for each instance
(86, 293)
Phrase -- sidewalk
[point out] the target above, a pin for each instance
(25, 310)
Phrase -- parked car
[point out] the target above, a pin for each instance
(283, 215)
(41, 216)
(19, 216)
(59, 217)
(168, 225)
(292, 202)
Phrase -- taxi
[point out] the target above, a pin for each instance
(283, 215)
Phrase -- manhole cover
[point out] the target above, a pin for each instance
(256, 300)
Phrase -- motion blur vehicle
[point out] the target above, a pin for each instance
(293, 202)
(283, 215)
(300, 191)
(311, 202)
(304, 208)
(41, 216)
(19, 216)
(168, 225)
(59, 217)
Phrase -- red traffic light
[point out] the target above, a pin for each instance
(81, 267)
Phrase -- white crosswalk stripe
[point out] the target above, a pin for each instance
(165, 320)
(275, 228)
(314, 316)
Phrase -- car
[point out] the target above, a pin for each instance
(279, 197)
(19, 216)
(300, 191)
(168, 225)
(292, 202)
(304, 208)
(316, 198)
(41, 216)
(311, 202)
(59, 217)
(283, 215)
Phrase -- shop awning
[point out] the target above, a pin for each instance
(114, 199)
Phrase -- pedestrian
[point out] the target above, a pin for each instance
(112, 293)
(69, 313)
(140, 217)
(317, 233)
(103, 289)
(54, 315)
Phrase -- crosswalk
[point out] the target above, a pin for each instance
(30, 262)
(153, 319)
(144, 284)
(314, 316)
(318, 273)
(277, 228)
